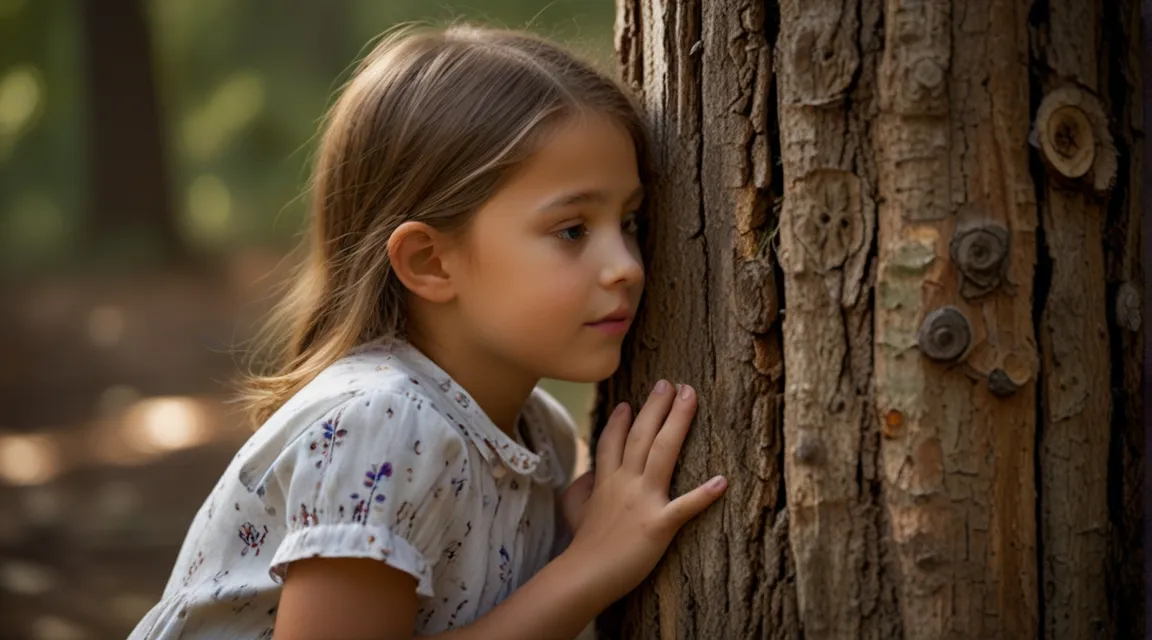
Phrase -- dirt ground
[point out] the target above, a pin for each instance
(95, 494)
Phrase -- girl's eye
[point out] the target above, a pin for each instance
(631, 223)
(573, 233)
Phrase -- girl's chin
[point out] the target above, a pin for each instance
(589, 369)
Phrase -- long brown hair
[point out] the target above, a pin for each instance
(430, 123)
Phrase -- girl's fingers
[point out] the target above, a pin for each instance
(610, 446)
(666, 447)
(691, 504)
(646, 426)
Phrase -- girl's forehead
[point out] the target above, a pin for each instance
(589, 155)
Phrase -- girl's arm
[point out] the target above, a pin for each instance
(353, 598)
(557, 603)
(366, 599)
(627, 524)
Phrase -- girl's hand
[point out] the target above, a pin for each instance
(628, 521)
(574, 500)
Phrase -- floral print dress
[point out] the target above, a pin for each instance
(382, 456)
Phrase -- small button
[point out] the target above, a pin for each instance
(499, 471)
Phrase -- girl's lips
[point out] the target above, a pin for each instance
(612, 326)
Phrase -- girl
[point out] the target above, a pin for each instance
(475, 203)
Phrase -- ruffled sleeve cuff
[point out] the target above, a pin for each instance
(353, 541)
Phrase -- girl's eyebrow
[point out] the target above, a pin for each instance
(589, 196)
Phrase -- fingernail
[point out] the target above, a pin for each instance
(619, 408)
(685, 392)
(662, 386)
(718, 483)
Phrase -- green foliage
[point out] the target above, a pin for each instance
(41, 131)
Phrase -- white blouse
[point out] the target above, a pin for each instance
(382, 456)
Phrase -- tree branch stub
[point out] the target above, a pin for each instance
(1071, 132)
(945, 334)
(982, 255)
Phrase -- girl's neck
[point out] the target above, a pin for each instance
(497, 387)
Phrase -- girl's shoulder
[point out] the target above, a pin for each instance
(372, 369)
(369, 390)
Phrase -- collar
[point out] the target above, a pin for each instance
(497, 448)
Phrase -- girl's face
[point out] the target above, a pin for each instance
(555, 273)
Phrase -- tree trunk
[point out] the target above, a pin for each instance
(941, 438)
(129, 211)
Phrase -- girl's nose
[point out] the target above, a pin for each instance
(622, 265)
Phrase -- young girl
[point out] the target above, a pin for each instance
(475, 203)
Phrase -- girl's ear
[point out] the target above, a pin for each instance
(417, 253)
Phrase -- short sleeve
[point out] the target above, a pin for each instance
(379, 476)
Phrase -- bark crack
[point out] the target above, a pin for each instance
(1125, 568)
(1041, 283)
(700, 209)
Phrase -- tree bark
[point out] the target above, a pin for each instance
(703, 70)
(939, 436)
(1122, 89)
(827, 84)
(956, 361)
(1081, 366)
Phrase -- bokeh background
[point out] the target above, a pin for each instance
(153, 155)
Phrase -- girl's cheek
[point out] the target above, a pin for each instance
(570, 282)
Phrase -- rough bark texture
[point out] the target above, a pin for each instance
(957, 458)
(1138, 508)
(940, 436)
(828, 56)
(1078, 360)
(1122, 90)
(708, 319)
